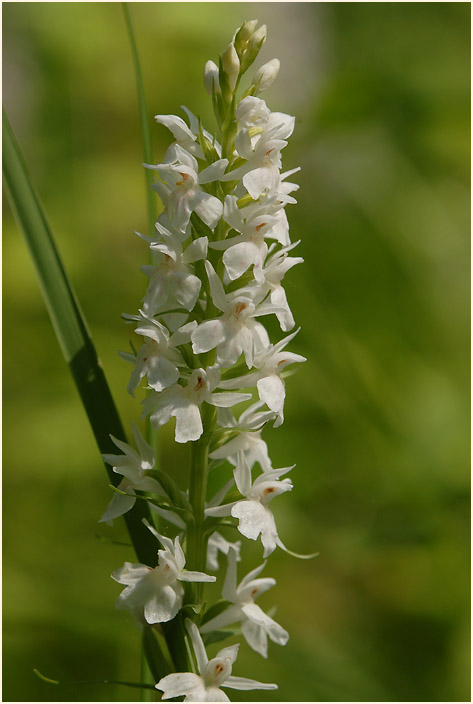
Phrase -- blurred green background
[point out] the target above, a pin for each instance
(377, 419)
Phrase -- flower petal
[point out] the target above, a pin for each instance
(272, 391)
(163, 605)
(245, 684)
(177, 126)
(179, 683)
(188, 423)
(197, 644)
(119, 504)
(207, 335)
(255, 636)
(231, 615)
(192, 576)
(213, 172)
(207, 207)
(252, 518)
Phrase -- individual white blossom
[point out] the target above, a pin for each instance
(157, 589)
(180, 189)
(183, 403)
(248, 438)
(261, 173)
(249, 248)
(157, 359)
(213, 674)
(254, 515)
(277, 265)
(132, 465)
(183, 135)
(269, 364)
(236, 331)
(256, 625)
(172, 282)
(256, 124)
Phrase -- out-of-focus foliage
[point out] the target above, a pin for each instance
(377, 419)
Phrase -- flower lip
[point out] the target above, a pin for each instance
(185, 177)
(217, 671)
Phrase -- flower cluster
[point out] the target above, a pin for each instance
(219, 254)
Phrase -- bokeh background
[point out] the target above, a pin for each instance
(377, 419)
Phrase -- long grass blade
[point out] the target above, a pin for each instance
(70, 326)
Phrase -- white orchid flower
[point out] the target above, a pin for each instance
(261, 173)
(273, 272)
(249, 248)
(172, 282)
(257, 123)
(236, 331)
(180, 189)
(269, 364)
(183, 402)
(254, 515)
(131, 465)
(248, 440)
(157, 359)
(157, 589)
(256, 626)
(183, 135)
(213, 674)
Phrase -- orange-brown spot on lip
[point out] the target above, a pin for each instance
(269, 490)
(200, 384)
(254, 591)
(269, 152)
(185, 177)
(219, 668)
(281, 362)
(240, 307)
(166, 567)
(258, 227)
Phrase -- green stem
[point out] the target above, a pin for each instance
(145, 129)
(197, 493)
(197, 543)
(151, 434)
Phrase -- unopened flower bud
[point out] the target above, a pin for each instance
(257, 39)
(265, 76)
(211, 77)
(253, 47)
(244, 33)
(231, 65)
